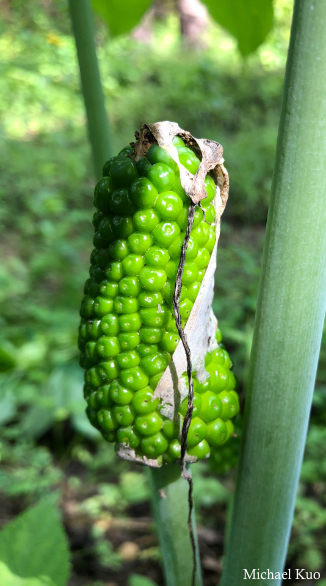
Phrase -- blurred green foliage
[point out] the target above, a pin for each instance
(46, 186)
(34, 548)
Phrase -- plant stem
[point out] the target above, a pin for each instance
(170, 504)
(290, 313)
(97, 120)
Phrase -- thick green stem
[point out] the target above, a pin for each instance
(290, 314)
(98, 125)
(170, 504)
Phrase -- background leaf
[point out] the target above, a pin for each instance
(7, 361)
(248, 21)
(35, 544)
(121, 15)
(7, 578)
(137, 580)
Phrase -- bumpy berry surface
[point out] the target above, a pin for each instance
(127, 333)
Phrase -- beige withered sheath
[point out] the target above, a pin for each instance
(201, 325)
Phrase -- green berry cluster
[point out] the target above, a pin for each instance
(225, 457)
(128, 333)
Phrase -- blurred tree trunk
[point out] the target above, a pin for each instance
(192, 14)
(193, 21)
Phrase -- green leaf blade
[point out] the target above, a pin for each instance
(34, 544)
(121, 16)
(249, 22)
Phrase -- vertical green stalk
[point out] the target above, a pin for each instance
(290, 314)
(98, 125)
(170, 504)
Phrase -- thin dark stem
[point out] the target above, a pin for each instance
(190, 406)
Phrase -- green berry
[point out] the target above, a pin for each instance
(108, 370)
(169, 342)
(102, 306)
(143, 193)
(99, 257)
(132, 264)
(151, 335)
(128, 359)
(134, 378)
(171, 269)
(201, 450)
(152, 279)
(122, 226)
(168, 205)
(154, 445)
(193, 290)
(174, 450)
(129, 436)
(91, 288)
(147, 299)
(148, 424)
(98, 216)
(106, 420)
(139, 242)
(108, 346)
(156, 154)
(157, 257)
(109, 289)
(219, 377)
(103, 398)
(171, 429)
(147, 349)
(124, 304)
(185, 308)
(188, 159)
(121, 203)
(143, 402)
(230, 406)
(201, 233)
(154, 317)
(197, 405)
(93, 329)
(114, 271)
(110, 324)
(130, 322)
(196, 433)
(210, 213)
(124, 414)
(146, 220)
(216, 432)
(155, 363)
(143, 165)
(91, 351)
(103, 190)
(190, 273)
(123, 171)
(129, 286)
(210, 188)
(211, 407)
(202, 387)
(165, 233)
(162, 177)
(128, 340)
(120, 394)
(202, 259)
(92, 378)
(118, 249)
(105, 230)
(178, 189)
(96, 274)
